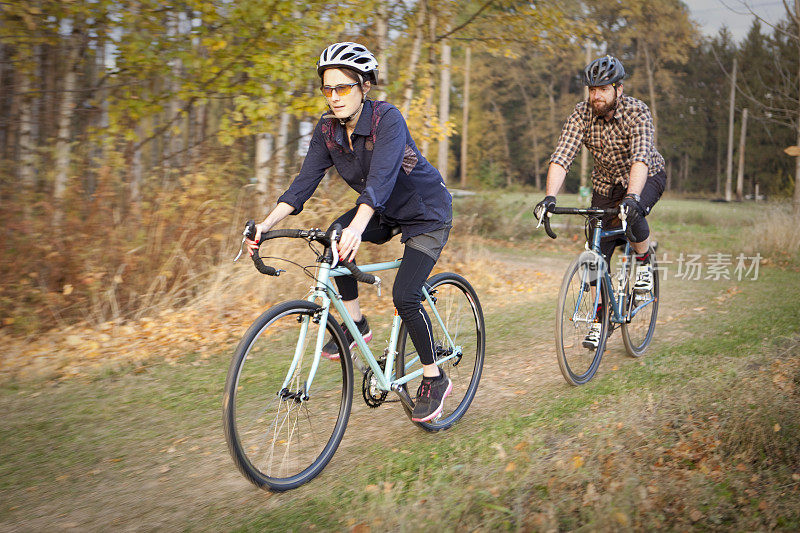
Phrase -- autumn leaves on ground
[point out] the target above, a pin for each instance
(116, 424)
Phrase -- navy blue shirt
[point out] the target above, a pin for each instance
(384, 167)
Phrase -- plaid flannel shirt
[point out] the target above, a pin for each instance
(614, 144)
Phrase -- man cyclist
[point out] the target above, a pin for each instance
(628, 170)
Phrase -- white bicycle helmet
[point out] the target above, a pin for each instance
(350, 55)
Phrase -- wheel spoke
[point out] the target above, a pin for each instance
(286, 440)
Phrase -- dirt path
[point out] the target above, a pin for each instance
(188, 478)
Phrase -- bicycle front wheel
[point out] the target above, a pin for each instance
(460, 311)
(638, 333)
(578, 359)
(281, 430)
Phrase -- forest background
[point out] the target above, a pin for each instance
(137, 136)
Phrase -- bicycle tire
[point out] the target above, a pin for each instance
(284, 451)
(572, 360)
(645, 326)
(460, 309)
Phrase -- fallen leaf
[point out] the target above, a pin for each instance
(371, 488)
(777, 428)
(695, 515)
(621, 518)
(577, 461)
(501, 453)
(67, 289)
(510, 467)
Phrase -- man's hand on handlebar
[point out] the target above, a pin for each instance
(548, 203)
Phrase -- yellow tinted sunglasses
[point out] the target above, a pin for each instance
(342, 89)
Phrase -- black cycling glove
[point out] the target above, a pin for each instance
(548, 203)
(634, 214)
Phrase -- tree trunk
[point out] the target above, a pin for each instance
(740, 175)
(263, 155)
(444, 108)
(584, 150)
(652, 89)
(382, 24)
(137, 170)
(174, 134)
(100, 120)
(551, 100)
(3, 112)
(685, 178)
(796, 198)
(668, 186)
(729, 175)
(718, 189)
(416, 48)
(534, 131)
(26, 167)
(282, 146)
(65, 112)
(501, 126)
(465, 117)
(431, 74)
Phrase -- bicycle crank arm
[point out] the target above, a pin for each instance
(404, 397)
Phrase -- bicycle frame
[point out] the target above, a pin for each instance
(618, 316)
(327, 294)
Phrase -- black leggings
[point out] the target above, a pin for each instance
(407, 290)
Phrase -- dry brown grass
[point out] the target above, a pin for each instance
(775, 234)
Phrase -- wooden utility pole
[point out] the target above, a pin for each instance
(740, 176)
(465, 117)
(729, 176)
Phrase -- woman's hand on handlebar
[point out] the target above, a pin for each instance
(252, 244)
(281, 211)
(351, 235)
(349, 243)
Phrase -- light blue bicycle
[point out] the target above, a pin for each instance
(286, 407)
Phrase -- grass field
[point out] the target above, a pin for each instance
(701, 433)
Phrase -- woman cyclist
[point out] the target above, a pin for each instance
(399, 192)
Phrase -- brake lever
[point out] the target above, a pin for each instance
(241, 249)
(248, 230)
(545, 213)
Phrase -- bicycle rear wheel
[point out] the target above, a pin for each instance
(281, 437)
(573, 321)
(638, 333)
(460, 311)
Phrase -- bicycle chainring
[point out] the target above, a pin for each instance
(373, 396)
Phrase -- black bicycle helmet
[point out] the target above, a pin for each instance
(606, 70)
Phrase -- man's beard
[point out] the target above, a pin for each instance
(604, 109)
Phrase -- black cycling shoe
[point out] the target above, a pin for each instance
(331, 351)
(430, 397)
